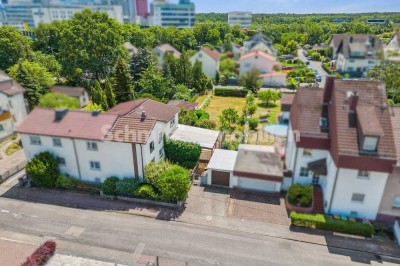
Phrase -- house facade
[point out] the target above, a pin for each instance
(92, 146)
(341, 139)
(161, 50)
(209, 60)
(392, 50)
(79, 93)
(259, 42)
(12, 105)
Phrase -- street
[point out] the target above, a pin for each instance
(315, 65)
(116, 234)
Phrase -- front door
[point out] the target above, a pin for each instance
(315, 179)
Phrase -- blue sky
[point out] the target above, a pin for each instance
(297, 6)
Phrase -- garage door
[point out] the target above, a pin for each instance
(255, 184)
(220, 178)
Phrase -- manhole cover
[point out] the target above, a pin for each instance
(209, 219)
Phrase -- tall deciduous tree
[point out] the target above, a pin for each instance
(13, 46)
(122, 82)
(251, 80)
(390, 74)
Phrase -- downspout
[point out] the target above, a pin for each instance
(295, 164)
(333, 191)
(141, 158)
(77, 160)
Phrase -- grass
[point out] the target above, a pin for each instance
(201, 98)
(219, 103)
(13, 147)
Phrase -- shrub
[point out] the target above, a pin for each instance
(206, 123)
(13, 147)
(230, 145)
(174, 183)
(326, 67)
(153, 170)
(146, 191)
(65, 182)
(43, 169)
(300, 195)
(319, 221)
(183, 153)
(231, 92)
(127, 186)
(253, 123)
(41, 255)
(109, 186)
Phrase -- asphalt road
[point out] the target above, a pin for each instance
(315, 65)
(198, 245)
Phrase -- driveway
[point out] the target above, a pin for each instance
(210, 201)
(315, 65)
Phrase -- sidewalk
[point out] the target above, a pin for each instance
(324, 238)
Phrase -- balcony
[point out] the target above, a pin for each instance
(5, 115)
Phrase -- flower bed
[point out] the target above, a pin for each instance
(41, 255)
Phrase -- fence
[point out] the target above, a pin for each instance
(10, 172)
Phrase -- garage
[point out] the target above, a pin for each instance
(220, 178)
(257, 185)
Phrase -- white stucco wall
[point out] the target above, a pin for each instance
(343, 64)
(16, 106)
(7, 128)
(208, 64)
(261, 63)
(276, 80)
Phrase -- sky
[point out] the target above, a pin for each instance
(297, 6)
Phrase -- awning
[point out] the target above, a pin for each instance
(318, 167)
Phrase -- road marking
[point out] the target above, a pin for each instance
(138, 251)
(16, 241)
(74, 231)
(4, 211)
(17, 215)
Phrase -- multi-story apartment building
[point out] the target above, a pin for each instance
(341, 138)
(181, 15)
(243, 19)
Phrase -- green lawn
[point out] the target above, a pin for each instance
(219, 103)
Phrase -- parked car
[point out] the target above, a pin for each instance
(318, 78)
(315, 72)
(309, 57)
(307, 63)
(287, 68)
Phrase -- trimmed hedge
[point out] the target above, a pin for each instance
(183, 153)
(319, 221)
(41, 255)
(231, 92)
(43, 169)
(147, 191)
(109, 186)
(300, 194)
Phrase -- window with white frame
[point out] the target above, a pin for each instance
(370, 143)
(172, 123)
(396, 202)
(57, 142)
(92, 146)
(61, 161)
(304, 171)
(95, 165)
(363, 174)
(161, 153)
(160, 137)
(356, 197)
(151, 146)
(35, 140)
(307, 152)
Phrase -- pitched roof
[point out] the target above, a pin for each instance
(212, 53)
(257, 53)
(167, 48)
(70, 91)
(365, 43)
(75, 124)
(396, 128)
(156, 110)
(287, 98)
(183, 104)
(338, 38)
(8, 86)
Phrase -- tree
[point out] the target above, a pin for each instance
(154, 83)
(98, 95)
(174, 183)
(251, 80)
(47, 61)
(184, 72)
(227, 65)
(140, 62)
(48, 37)
(43, 169)
(181, 93)
(109, 93)
(58, 100)
(292, 83)
(122, 82)
(35, 78)
(93, 107)
(13, 46)
(390, 75)
(228, 119)
(268, 95)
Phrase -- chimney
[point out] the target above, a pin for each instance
(329, 84)
(143, 116)
(60, 114)
(353, 101)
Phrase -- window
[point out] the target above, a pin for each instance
(352, 60)
(94, 165)
(323, 122)
(363, 174)
(1, 127)
(161, 153)
(10, 103)
(35, 140)
(370, 143)
(57, 142)
(61, 161)
(92, 146)
(304, 171)
(172, 123)
(350, 69)
(151, 146)
(396, 202)
(307, 152)
(358, 197)
(160, 137)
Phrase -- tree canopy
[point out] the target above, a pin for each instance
(58, 100)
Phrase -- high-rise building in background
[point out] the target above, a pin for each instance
(181, 15)
(243, 19)
(142, 8)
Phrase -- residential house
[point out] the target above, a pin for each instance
(132, 50)
(12, 105)
(356, 54)
(259, 42)
(286, 104)
(392, 50)
(341, 139)
(209, 60)
(161, 50)
(266, 64)
(92, 146)
(79, 93)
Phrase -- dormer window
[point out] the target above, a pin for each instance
(370, 144)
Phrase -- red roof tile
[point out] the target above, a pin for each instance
(287, 98)
(212, 53)
(8, 86)
(257, 53)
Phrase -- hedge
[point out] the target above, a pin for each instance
(231, 92)
(43, 169)
(41, 255)
(319, 221)
(326, 67)
(300, 194)
(183, 153)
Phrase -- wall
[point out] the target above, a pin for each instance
(278, 80)
(392, 190)
(209, 65)
(8, 128)
(343, 64)
(264, 65)
(302, 161)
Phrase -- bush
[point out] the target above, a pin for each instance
(43, 169)
(41, 255)
(127, 186)
(65, 182)
(326, 67)
(183, 153)
(206, 123)
(231, 92)
(109, 186)
(147, 191)
(174, 183)
(13, 147)
(319, 221)
(153, 170)
(253, 123)
(300, 195)
(230, 145)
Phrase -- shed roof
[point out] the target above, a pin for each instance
(70, 91)
(223, 160)
(206, 138)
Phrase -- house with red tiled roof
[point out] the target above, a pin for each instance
(209, 60)
(12, 105)
(341, 139)
(92, 146)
